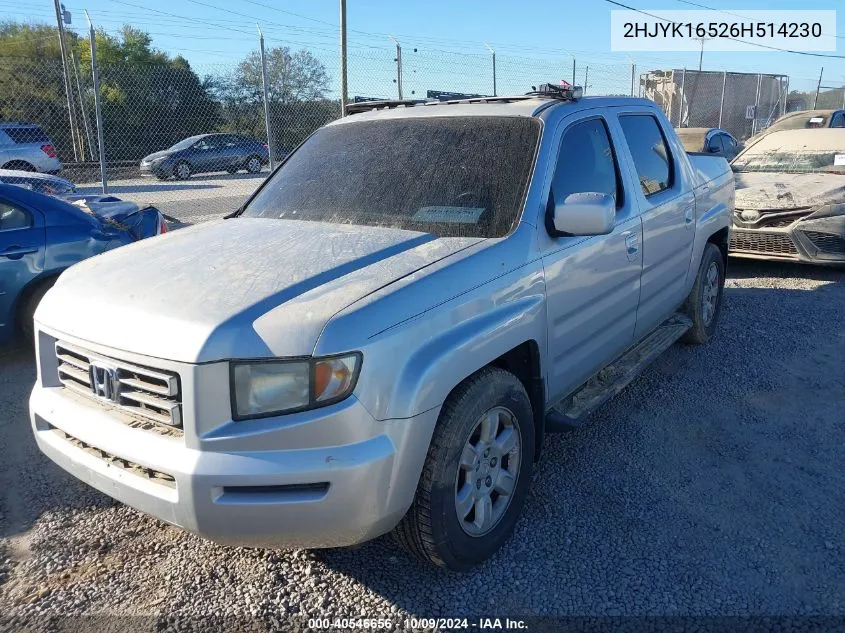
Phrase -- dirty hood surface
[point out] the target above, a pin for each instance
(780, 192)
(240, 288)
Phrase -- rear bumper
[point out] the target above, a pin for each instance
(815, 241)
(316, 497)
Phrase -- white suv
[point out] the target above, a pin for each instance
(27, 147)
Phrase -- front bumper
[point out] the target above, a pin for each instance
(245, 488)
(811, 241)
(155, 169)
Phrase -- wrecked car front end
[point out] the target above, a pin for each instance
(790, 200)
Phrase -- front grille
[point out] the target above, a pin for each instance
(149, 394)
(772, 220)
(763, 243)
(827, 243)
(154, 476)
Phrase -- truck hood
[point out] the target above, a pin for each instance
(781, 192)
(239, 288)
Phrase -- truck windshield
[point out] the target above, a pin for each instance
(450, 176)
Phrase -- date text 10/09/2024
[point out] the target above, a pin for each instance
(443, 624)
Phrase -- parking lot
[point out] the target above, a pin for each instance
(201, 197)
(711, 486)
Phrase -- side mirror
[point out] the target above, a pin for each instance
(585, 214)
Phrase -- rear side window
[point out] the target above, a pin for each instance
(838, 120)
(27, 134)
(586, 162)
(12, 218)
(652, 158)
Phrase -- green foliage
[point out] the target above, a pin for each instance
(151, 100)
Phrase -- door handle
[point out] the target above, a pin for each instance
(15, 251)
(689, 214)
(632, 244)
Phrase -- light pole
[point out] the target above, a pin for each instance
(493, 53)
(398, 67)
(344, 95)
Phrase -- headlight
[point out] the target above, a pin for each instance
(271, 387)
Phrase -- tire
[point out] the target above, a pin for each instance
(182, 170)
(704, 303)
(26, 312)
(253, 164)
(432, 529)
(20, 165)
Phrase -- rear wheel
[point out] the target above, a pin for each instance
(704, 303)
(20, 165)
(253, 164)
(26, 312)
(476, 474)
(182, 170)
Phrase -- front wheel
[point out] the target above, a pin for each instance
(704, 303)
(182, 171)
(253, 164)
(476, 474)
(26, 314)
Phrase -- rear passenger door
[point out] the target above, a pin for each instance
(592, 282)
(667, 209)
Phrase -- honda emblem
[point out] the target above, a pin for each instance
(104, 382)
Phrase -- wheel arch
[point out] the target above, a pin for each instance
(27, 291)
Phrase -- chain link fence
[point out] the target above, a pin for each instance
(741, 103)
(149, 107)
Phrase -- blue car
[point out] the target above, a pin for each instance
(207, 153)
(41, 236)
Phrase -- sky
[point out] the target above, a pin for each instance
(444, 42)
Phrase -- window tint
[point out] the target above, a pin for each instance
(28, 134)
(838, 120)
(586, 162)
(729, 142)
(652, 158)
(210, 142)
(12, 218)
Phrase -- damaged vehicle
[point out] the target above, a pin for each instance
(790, 198)
(42, 235)
(380, 338)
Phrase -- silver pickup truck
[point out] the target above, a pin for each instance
(380, 338)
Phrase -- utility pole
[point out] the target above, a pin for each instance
(68, 93)
(818, 89)
(270, 143)
(398, 61)
(493, 53)
(586, 79)
(344, 94)
(85, 123)
(701, 55)
(97, 107)
(573, 72)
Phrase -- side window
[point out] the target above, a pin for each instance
(838, 120)
(715, 144)
(230, 140)
(729, 142)
(13, 218)
(586, 162)
(651, 154)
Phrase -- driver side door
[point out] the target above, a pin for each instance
(592, 282)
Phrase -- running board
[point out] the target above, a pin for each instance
(572, 411)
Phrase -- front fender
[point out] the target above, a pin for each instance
(412, 367)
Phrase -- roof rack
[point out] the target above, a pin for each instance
(564, 93)
(549, 91)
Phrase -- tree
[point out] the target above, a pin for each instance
(150, 100)
(297, 84)
(32, 79)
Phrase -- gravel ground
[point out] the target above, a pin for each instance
(711, 486)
